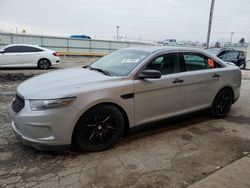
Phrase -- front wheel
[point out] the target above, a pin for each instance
(99, 129)
(222, 103)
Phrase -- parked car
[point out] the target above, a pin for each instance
(227, 54)
(167, 42)
(94, 105)
(23, 55)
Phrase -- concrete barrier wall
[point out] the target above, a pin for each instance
(248, 57)
(67, 45)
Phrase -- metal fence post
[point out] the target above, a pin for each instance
(11, 38)
(67, 44)
(41, 40)
(90, 45)
(110, 46)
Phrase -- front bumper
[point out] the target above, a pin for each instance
(35, 144)
(45, 129)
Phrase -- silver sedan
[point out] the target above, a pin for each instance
(93, 106)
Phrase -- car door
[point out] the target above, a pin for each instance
(157, 99)
(202, 80)
(31, 55)
(12, 56)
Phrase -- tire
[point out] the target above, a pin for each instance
(244, 65)
(222, 103)
(43, 64)
(99, 129)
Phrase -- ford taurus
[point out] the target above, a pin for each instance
(92, 106)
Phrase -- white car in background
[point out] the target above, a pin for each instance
(23, 55)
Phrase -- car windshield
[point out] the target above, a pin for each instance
(213, 51)
(120, 62)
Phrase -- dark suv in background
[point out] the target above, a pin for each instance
(227, 54)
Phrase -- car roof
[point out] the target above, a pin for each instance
(220, 49)
(153, 49)
(160, 49)
(30, 45)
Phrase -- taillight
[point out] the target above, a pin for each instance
(55, 54)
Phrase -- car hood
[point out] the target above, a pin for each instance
(64, 83)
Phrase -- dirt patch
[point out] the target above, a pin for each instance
(15, 77)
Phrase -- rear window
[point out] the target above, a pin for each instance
(195, 61)
(31, 49)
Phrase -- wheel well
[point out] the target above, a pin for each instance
(42, 59)
(228, 87)
(124, 114)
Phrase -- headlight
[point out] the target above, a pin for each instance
(50, 103)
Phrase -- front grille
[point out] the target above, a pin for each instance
(18, 104)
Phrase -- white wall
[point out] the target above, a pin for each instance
(248, 57)
(64, 44)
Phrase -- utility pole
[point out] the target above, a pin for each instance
(210, 22)
(117, 32)
(232, 33)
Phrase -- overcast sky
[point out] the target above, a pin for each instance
(145, 19)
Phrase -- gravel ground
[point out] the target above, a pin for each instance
(174, 153)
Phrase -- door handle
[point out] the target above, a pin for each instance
(177, 80)
(216, 76)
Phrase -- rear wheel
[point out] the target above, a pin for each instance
(222, 103)
(99, 129)
(43, 64)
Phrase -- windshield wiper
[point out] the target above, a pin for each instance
(99, 70)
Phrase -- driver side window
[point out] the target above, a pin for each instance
(166, 64)
(14, 49)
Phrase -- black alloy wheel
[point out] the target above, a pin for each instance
(222, 103)
(99, 129)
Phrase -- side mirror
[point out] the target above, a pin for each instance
(2, 51)
(151, 74)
